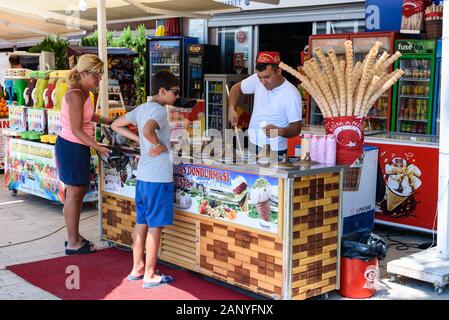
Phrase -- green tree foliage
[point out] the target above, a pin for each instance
(135, 42)
(56, 45)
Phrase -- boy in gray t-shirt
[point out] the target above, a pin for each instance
(154, 189)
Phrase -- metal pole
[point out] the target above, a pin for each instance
(103, 94)
(443, 182)
(103, 55)
(287, 249)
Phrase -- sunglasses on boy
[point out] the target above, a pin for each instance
(174, 90)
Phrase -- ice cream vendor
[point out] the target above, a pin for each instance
(277, 105)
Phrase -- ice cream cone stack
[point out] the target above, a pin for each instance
(342, 88)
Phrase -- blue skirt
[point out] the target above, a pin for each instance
(73, 162)
(154, 203)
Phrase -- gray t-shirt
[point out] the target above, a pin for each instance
(160, 168)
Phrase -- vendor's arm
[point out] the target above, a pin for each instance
(293, 129)
(121, 127)
(247, 86)
(149, 133)
(100, 119)
(234, 95)
(76, 112)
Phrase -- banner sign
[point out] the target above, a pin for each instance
(383, 15)
(31, 167)
(407, 185)
(240, 198)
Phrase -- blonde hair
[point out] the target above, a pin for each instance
(86, 63)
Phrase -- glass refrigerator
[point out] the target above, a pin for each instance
(217, 101)
(169, 54)
(201, 59)
(413, 93)
(437, 91)
(380, 115)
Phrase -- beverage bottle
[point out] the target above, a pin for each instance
(321, 149)
(331, 150)
(422, 110)
(314, 148)
(305, 146)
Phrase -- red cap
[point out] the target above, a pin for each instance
(270, 57)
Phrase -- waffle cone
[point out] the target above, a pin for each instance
(331, 78)
(393, 200)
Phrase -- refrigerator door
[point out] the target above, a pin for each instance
(164, 54)
(215, 103)
(379, 115)
(414, 96)
(326, 43)
(195, 76)
(437, 91)
(436, 116)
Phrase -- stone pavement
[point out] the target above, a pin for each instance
(26, 217)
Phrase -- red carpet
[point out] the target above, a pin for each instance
(103, 277)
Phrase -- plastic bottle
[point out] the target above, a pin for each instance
(321, 149)
(305, 145)
(331, 150)
(314, 148)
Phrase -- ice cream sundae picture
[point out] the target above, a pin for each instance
(260, 197)
(402, 180)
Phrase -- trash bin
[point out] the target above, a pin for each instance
(361, 252)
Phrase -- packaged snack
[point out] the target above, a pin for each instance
(413, 15)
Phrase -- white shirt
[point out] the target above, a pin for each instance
(280, 107)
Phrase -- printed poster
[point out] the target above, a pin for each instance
(31, 167)
(121, 180)
(244, 199)
(407, 185)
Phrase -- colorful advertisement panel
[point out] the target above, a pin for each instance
(240, 198)
(407, 185)
(31, 167)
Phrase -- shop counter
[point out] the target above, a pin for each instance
(272, 231)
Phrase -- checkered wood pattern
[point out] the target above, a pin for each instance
(246, 258)
(242, 258)
(119, 218)
(315, 231)
(178, 242)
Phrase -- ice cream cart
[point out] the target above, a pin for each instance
(274, 231)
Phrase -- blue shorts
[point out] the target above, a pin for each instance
(73, 162)
(154, 203)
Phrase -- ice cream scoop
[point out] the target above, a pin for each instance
(263, 124)
(260, 191)
(414, 170)
(415, 182)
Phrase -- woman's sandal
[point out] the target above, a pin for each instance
(85, 249)
(83, 240)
